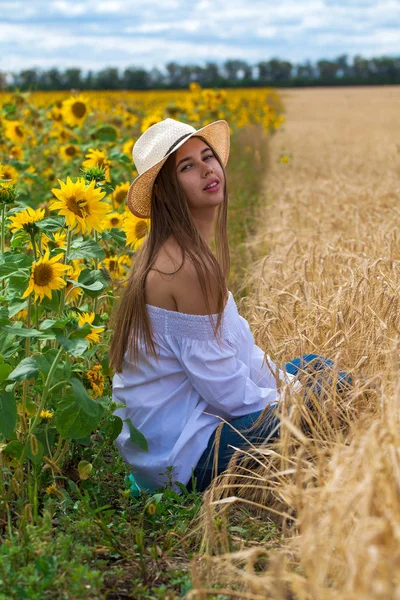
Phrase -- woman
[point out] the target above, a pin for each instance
(185, 360)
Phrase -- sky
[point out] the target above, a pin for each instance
(95, 34)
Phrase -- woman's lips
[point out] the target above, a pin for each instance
(214, 188)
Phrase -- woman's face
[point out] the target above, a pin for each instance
(197, 167)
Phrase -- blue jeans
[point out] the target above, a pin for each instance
(270, 425)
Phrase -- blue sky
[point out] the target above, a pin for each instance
(93, 34)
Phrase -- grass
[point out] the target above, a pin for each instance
(95, 540)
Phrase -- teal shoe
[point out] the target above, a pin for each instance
(132, 484)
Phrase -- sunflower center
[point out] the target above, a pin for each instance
(120, 196)
(77, 206)
(141, 229)
(100, 163)
(114, 221)
(70, 150)
(78, 109)
(43, 275)
(19, 131)
(113, 265)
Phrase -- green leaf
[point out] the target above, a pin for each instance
(115, 234)
(5, 370)
(136, 436)
(105, 133)
(53, 324)
(18, 283)
(113, 427)
(76, 347)
(15, 307)
(86, 249)
(21, 331)
(27, 368)
(88, 277)
(51, 223)
(93, 287)
(11, 262)
(77, 415)
(24, 332)
(14, 449)
(8, 413)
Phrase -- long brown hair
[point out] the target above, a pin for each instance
(169, 216)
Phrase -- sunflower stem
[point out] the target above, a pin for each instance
(3, 219)
(67, 251)
(27, 353)
(46, 390)
(33, 245)
(96, 266)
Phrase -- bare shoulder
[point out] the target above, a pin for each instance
(173, 283)
(188, 294)
(159, 280)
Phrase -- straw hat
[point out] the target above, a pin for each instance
(154, 146)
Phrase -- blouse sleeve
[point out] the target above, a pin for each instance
(221, 379)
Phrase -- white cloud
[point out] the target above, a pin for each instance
(98, 33)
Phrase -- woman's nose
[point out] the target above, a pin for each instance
(208, 169)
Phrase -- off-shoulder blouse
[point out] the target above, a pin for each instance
(178, 402)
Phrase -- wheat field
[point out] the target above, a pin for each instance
(328, 282)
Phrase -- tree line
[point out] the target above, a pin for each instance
(232, 73)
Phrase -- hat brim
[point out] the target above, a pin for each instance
(139, 193)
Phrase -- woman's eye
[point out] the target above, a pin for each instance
(188, 165)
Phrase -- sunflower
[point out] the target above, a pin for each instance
(75, 110)
(97, 158)
(128, 147)
(113, 219)
(150, 120)
(72, 293)
(80, 204)
(14, 131)
(16, 153)
(10, 172)
(136, 230)
(116, 265)
(55, 114)
(2, 171)
(46, 275)
(94, 335)
(24, 219)
(60, 239)
(96, 379)
(69, 151)
(119, 194)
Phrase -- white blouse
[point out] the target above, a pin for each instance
(176, 404)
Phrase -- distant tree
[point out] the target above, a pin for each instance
(344, 69)
(108, 79)
(327, 70)
(3, 81)
(174, 74)
(28, 79)
(156, 78)
(72, 79)
(235, 70)
(135, 79)
(306, 71)
(361, 68)
(211, 74)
